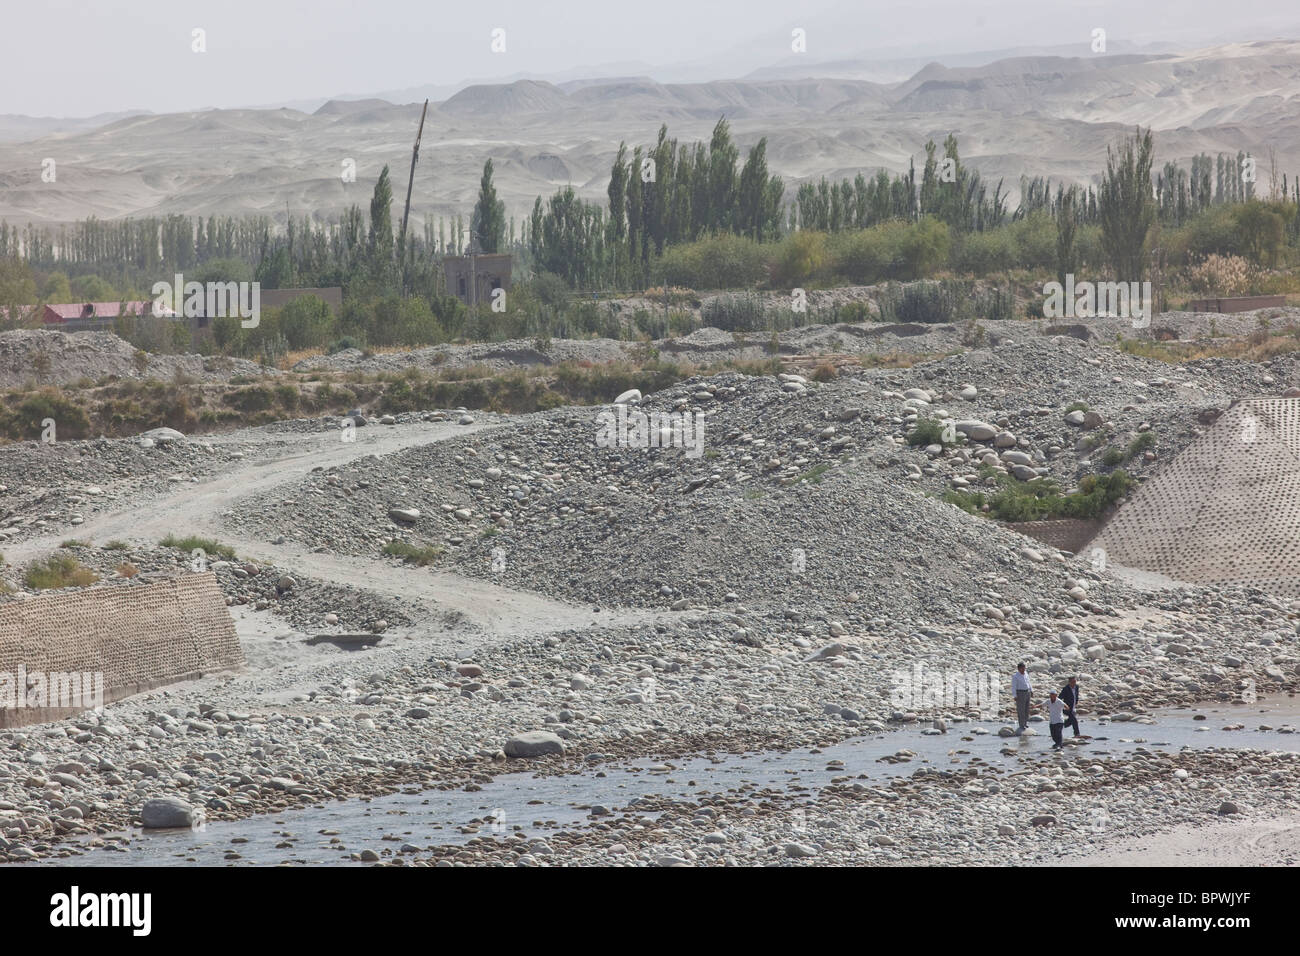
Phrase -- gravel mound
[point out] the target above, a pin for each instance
(45, 357)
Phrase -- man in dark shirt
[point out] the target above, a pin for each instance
(1070, 696)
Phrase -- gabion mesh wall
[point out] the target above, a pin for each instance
(1226, 510)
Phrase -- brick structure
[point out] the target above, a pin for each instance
(1239, 303)
(1065, 534)
(138, 637)
(484, 272)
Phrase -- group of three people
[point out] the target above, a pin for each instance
(1062, 708)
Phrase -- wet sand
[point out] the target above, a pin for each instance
(1267, 841)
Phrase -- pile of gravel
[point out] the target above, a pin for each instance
(45, 357)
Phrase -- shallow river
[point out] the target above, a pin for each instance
(331, 833)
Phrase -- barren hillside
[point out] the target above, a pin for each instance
(1026, 115)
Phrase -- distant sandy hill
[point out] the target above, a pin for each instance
(1025, 115)
(347, 107)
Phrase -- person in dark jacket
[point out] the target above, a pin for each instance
(1070, 696)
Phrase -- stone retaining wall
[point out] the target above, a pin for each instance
(138, 638)
(1239, 303)
(1065, 534)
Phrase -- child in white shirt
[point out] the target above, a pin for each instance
(1056, 720)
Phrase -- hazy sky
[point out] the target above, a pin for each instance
(63, 58)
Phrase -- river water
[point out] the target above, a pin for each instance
(539, 805)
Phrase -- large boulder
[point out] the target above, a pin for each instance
(162, 813)
(976, 430)
(534, 743)
(163, 436)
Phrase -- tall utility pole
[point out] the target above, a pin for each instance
(410, 184)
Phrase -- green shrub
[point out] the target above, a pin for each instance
(412, 554)
(306, 322)
(1140, 443)
(58, 571)
(24, 420)
(920, 247)
(946, 300)
(863, 256)
(209, 547)
(800, 258)
(681, 323)
(1033, 240)
(928, 302)
(1041, 500)
(724, 261)
(735, 313)
(928, 431)
(983, 252)
(347, 342)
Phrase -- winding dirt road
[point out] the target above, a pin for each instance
(196, 508)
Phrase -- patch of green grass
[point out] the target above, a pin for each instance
(815, 473)
(1042, 500)
(1076, 407)
(116, 545)
(412, 554)
(74, 543)
(189, 544)
(58, 571)
(1091, 441)
(1117, 456)
(928, 431)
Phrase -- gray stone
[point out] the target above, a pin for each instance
(162, 813)
(534, 743)
(163, 436)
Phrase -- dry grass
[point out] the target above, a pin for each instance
(899, 359)
(289, 359)
(825, 372)
(58, 571)
(1254, 349)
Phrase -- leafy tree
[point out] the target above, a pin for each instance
(17, 293)
(1125, 205)
(636, 247)
(57, 288)
(489, 220)
(1066, 222)
(722, 177)
(380, 237)
(1263, 229)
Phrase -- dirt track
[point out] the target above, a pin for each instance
(196, 508)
